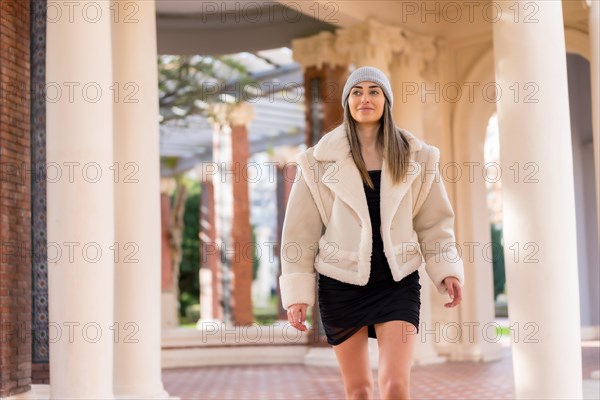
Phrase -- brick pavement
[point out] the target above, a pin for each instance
(453, 380)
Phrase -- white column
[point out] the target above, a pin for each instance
(594, 32)
(406, 82)
(539, 217)
(80, 190)
(137, 366)
(410, 64)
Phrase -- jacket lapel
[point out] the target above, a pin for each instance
(343, 178)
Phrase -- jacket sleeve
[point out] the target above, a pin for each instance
(434, 224)
(302, 227)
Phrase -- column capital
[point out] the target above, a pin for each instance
(420, 50)
(241, 114)
(371, 43)
(228, 114)
(284, 155)
(318, 50)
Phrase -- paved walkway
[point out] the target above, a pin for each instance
(455, 380)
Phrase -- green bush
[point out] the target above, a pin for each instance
(189, 284)
(192, 313)
(498, 260)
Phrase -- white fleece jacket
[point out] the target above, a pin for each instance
(327, 227)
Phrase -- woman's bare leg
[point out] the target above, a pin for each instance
(396, 340)
(353, 358)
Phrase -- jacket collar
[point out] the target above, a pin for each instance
(343, 178)
(334, 146)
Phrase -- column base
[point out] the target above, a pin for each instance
(321, 357)
(41, 392)
(163, 395)
(590, 332)
(425, 354)
(325, 357)
(169, 310)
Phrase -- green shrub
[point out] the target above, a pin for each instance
(189, 284)
(192, 313)
(498, 260)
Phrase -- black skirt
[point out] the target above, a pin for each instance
(345, 308)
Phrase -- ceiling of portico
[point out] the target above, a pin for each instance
(449, 19)
(227, 26)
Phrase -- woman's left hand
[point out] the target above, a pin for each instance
(454, 290)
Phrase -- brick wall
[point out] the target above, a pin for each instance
(15, 199)
(241, 234)
(40, 373)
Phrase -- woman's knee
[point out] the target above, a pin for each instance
(396, 387)
(360, 390)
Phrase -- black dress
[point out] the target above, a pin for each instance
(345, 308)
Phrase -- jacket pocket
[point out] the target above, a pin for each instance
(408, 254)
(332, 256)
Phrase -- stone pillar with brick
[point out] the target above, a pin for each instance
(325, 70)
(241, 234)
(232, 209)
(211, 290)
(169, 300)
(15, 203)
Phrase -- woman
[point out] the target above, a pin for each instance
(376, 192)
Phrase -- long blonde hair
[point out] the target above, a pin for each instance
(396, 151)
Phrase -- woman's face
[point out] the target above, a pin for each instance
(366, 101)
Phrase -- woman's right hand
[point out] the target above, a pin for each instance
(297, 315)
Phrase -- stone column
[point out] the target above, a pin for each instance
(232, 224)
(407, 80)
(325, 72)
(539, 211)
(137, 363)
(322, 93)
(210, 276)
(169, 301)
(241, 234)
(594, 32)
(80, 208)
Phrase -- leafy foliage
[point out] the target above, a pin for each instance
(188, 84)
(498, 260)
(189, 285)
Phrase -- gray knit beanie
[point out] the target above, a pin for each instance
(371, 74)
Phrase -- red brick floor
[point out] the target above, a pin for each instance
(454, 380)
